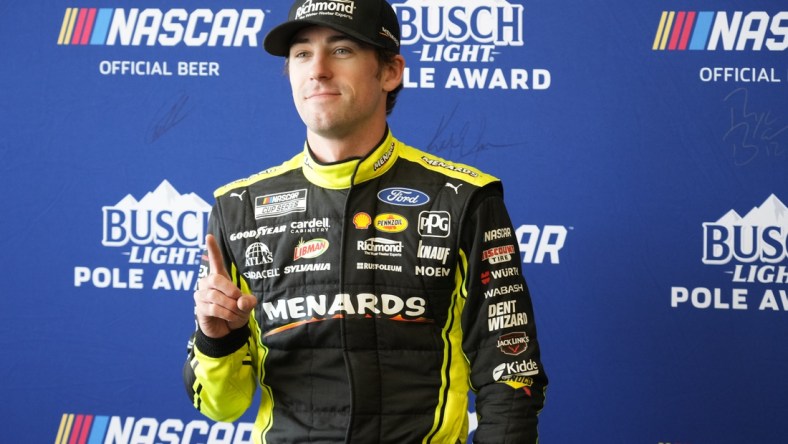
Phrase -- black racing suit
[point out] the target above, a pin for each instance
(387, 287)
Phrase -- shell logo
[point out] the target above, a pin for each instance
(362, 221)
(390, 223)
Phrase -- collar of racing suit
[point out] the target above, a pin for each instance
(338, 175)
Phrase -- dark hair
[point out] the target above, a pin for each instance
(385, 57)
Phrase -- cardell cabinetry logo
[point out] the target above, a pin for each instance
(163, 229)
(753, 249)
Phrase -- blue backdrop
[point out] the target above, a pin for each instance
(643, 147)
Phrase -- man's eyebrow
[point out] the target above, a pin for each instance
(334, 38)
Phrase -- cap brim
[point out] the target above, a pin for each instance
(277, 41)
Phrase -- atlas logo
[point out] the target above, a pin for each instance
(152, 27)
(721, 30)
(81, 428)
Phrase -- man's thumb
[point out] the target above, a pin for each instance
(215, 259)
(246, 303)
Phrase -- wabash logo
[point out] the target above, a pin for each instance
(721, 30)
(154, 27)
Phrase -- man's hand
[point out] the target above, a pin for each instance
(219, 304)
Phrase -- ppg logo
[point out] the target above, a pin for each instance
(434, 223)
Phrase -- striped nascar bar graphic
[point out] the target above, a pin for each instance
(82, 26)
(675, 29)
(81, 429)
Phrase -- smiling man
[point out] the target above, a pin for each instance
(364, 286)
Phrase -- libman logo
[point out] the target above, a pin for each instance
(721, 30)
(157, 27)
(100, 429)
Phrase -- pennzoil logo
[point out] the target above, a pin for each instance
(390, 223)
(156, 27)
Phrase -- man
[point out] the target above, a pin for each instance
(365, 286)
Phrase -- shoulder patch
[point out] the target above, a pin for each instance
(293, 163)
(454, 170)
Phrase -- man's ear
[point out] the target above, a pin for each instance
(393, 72)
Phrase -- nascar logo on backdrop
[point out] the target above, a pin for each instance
(753, 250)
(153, 27)
(752, 31)
(87, 428)
(457, 41)
(164, 229)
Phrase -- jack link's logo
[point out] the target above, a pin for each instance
(465, 31)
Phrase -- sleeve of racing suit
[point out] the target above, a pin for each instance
(498, 324)
(219, 374)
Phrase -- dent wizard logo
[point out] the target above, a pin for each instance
(714, 30)
(152, 26)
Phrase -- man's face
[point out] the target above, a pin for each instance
(338, 86)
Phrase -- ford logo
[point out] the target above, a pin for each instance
(403, 196)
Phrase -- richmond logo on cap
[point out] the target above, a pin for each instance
(341, 8)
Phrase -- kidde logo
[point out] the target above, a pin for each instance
(152, 26)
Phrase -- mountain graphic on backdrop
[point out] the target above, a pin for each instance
(772, 212)
(164, 197)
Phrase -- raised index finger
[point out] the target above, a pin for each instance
(215, 259)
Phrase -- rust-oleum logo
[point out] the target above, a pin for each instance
(157, 27)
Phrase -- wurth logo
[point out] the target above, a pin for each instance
(154, 27)
(711, 31)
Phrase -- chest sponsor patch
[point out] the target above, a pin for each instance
(279, 204)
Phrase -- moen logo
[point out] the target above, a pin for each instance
(90, 429)
(711, 31)
(152, 26)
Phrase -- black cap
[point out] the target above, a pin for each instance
(370, 21)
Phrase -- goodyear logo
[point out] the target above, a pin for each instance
(715, 30)
(156, 27)
(390, 223)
